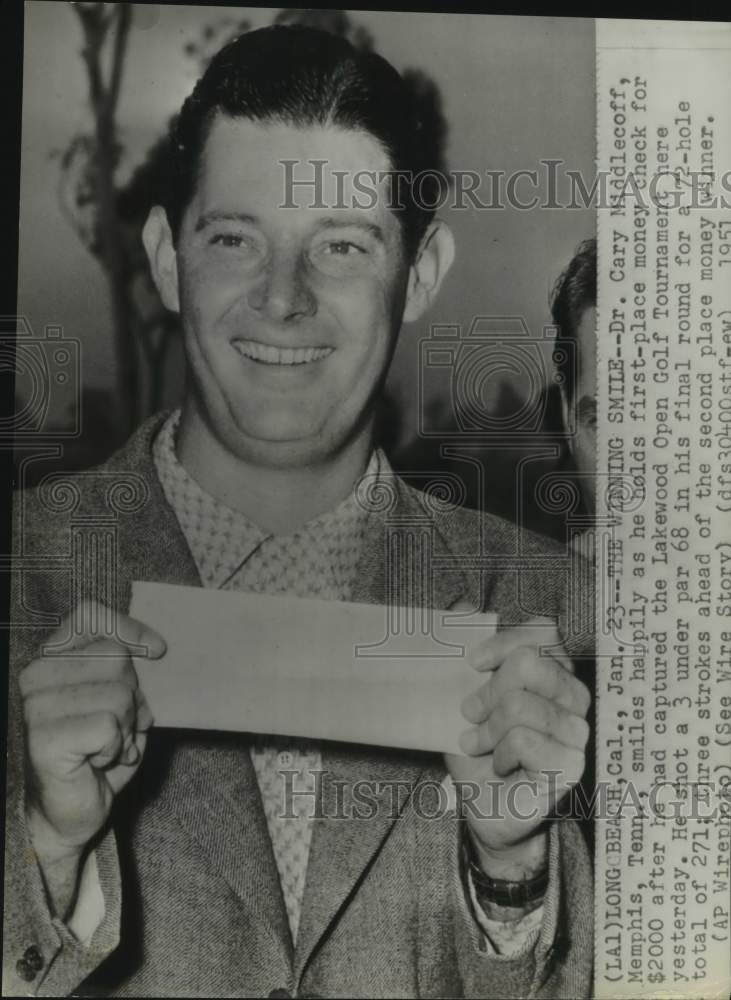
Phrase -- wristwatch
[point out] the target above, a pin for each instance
(519, 895)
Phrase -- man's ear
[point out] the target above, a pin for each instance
(158, 241)
(433, 259)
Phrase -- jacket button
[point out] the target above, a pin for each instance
(25, 971)
(33, 958)
(280, 994)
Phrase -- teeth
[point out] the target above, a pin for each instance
(269, 355)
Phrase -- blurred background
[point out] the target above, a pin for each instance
(101, 82)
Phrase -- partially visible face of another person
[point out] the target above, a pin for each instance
(583, 405)
(290, 315)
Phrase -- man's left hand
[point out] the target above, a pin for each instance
(525, 749)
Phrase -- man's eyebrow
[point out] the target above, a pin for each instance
(350, 222)
(210, 217)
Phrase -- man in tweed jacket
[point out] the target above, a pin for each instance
(145, 862)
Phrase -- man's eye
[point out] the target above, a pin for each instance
(232, 240)
(344, 248)
(342, 258)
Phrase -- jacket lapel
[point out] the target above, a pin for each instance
(151, 539)
(343, 844)
(215, 795)
(383, 544)
(342, 848)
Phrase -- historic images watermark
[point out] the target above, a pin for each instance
(318, 795)
(549, 185)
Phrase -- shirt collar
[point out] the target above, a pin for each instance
(221, 538)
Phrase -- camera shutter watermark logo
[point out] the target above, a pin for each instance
(47, 382)
(470, 369)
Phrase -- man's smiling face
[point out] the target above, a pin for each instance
(290, 315)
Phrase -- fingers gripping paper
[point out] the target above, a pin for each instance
(300, 667)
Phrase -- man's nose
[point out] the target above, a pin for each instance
(283, 292)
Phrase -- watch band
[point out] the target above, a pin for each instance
(518, 895)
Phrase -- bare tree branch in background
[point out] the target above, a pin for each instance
(88, 192)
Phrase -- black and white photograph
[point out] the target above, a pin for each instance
(368, 440)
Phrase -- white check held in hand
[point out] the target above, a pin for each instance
(308, 668)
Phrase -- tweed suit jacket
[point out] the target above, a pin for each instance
(193, 905)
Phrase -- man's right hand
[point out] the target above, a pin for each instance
(86, 723)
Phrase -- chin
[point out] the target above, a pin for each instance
(278, 432)
(280, 446)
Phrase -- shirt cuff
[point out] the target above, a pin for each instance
(88, 911)
(506, 937)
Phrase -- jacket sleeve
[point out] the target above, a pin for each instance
(41, 957)
(539, 578)
(560, 964)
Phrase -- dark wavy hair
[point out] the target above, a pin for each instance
(573, 293)
(304, 76)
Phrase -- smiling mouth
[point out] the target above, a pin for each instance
(265, 354)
